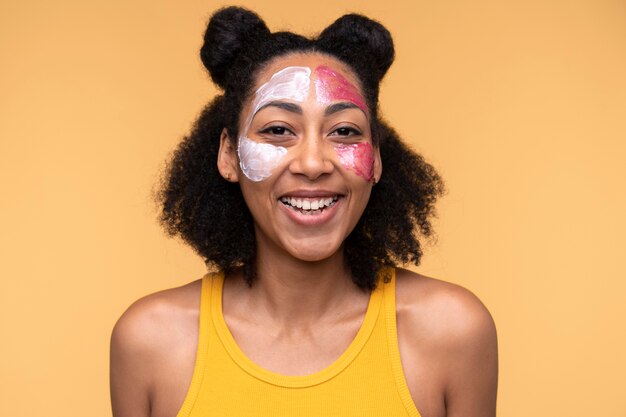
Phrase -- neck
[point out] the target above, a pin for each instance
(295, 293)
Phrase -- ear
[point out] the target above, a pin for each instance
(227, 160)
(378, 165)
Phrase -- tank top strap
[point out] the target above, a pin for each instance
(389, 310)
(202, 352)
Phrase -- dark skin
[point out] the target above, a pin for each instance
(446, 337)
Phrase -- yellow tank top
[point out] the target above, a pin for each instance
(366, 380)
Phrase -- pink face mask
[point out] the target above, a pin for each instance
(359, 158)
(331, 86)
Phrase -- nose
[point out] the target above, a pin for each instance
(312, 157)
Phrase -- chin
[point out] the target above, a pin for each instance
(314, 251)
(308, 255)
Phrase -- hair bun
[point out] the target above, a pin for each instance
(358, 39)
(229, 31)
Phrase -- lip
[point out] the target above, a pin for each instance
(311, 194)
(322, 217)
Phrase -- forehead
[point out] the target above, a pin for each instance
(310, 60)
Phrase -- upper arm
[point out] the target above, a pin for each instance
(448, 347)
(472, 359)
(132, 353)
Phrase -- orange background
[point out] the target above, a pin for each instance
(520, 104)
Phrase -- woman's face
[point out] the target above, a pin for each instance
(304, 158)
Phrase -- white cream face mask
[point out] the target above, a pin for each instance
(258, 160)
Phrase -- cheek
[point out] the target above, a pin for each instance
(359, 158)
(258, 160)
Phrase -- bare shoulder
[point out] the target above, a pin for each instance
(447, 341)
(448, 313)
(159, 318)
(153, 341)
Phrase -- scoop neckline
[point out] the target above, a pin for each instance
(292, 381)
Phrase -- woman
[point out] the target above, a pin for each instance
(280, 188)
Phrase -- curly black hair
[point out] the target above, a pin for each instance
(210, 214)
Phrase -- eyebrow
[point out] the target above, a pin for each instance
(337, 107)
(290, 107)
(294, 108)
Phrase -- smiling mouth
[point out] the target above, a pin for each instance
(309, 206)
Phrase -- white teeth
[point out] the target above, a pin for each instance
(309, 205)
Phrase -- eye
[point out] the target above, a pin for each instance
(346, 131)
(276, 131)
